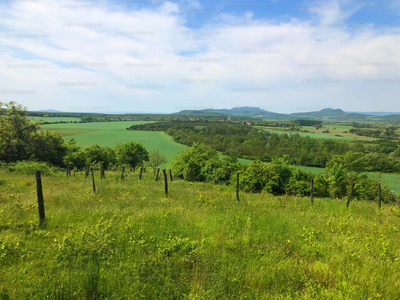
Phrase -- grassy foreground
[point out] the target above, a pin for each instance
(128, 241)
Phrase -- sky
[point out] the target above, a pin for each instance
(165, 56)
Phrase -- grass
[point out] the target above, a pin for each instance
(111, 133)
(129, 241)
(56, 119)
(68, 132)
(317, 133)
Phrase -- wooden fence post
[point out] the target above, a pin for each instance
(94, 185)
(379, 195)
(68, 169)
(102, 175)
(165, 182)
(39, 192)
(122, 172)
(237, 187)
(140, 174)
(397, 198)
(351, 193)
(87, 171)
(158, 172)
(312, 191)
(170, 175)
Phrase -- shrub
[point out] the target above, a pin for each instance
(190, 162)
(29, 167)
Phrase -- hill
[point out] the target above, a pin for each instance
(129, 241)
(245, 111)
(330, 114)
(49, 110)
(324, 114)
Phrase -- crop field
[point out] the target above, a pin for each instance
(129, 241)
(111, 133)
(67, 131)
(317, 133)
(56, 119)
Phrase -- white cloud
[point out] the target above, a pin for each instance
(116, 36)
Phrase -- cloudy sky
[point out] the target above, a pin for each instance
(165, 56)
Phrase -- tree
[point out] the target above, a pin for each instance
(156, 159)
(22, 139)
(190, 162)
(15, 131)
(131, 153)
(97, 154)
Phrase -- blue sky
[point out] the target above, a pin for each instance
(165, 56)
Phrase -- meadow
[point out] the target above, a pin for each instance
(108, 134)
(129, 241)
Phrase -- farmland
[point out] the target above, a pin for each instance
(111, 133)
(129, 241)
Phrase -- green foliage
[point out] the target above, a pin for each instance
(131, 153)
(299, 183)
(361, 162)
(339, 181)
(21, 139)
(258, 177)
(387, 147)
(302, 122)
(156, 159)
(29, 168)
(101, 155)
(201, 163)
(190, 162)
(225, 168)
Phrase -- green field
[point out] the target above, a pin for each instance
(56, 119)
(317, 133)
(129, 241)
(111, 133)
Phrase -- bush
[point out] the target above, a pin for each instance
(299, 183)
(201, 163)
(272, 178)
(191, 163)
(29, 167)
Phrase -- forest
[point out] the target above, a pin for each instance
(246, 141)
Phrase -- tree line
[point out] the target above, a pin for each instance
(278, 177)
(249, 142)
(21, 139)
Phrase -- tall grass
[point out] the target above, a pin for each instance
(128, 241)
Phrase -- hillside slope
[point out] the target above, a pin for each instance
(129, 241)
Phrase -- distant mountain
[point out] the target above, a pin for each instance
(246, 111)
(330, 114)
(376, 113)
(49, 110)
